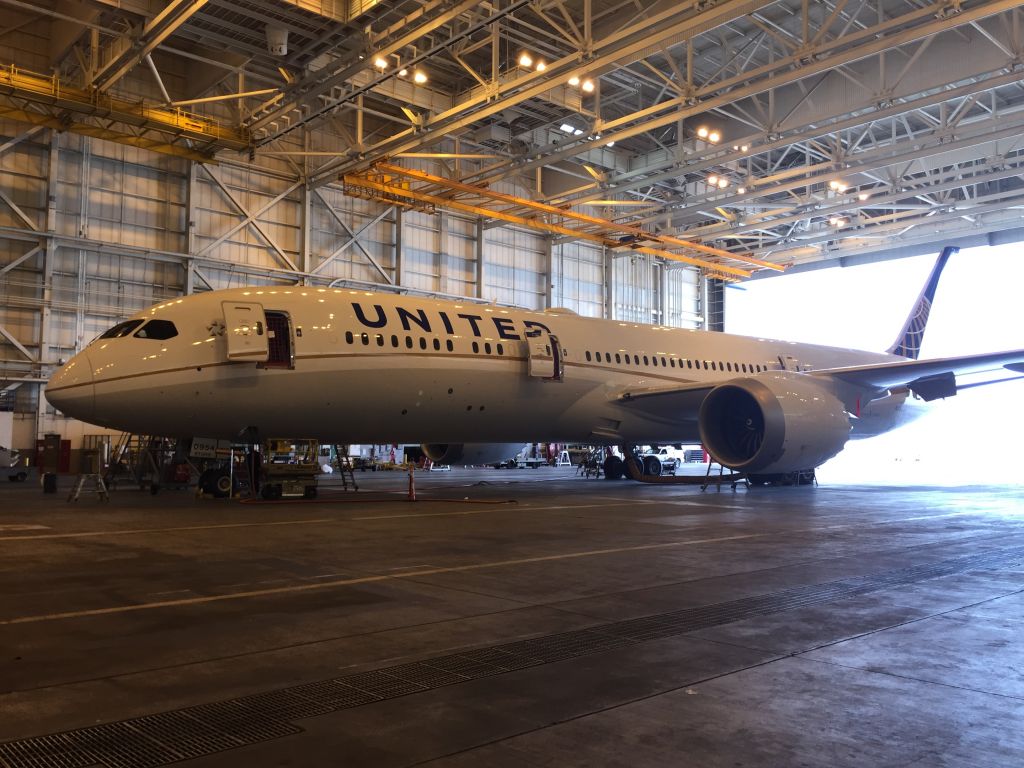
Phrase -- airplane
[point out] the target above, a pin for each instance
(472, 381)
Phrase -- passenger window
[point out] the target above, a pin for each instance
(672, 362)
(394, 341)
(617, 359)
(408, 342)
(476, 348)
(348, 337)
(157, 329)
(636, 359)
(380, 340)
(449, 345)
(365, 338)
(501, 350)
(588, 355)
(607, 357)
(437, 345)
(487, 348)
(423, 343)
(728, 367)
(645, 360)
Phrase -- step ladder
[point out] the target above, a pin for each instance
(81, 480)
(344, 465)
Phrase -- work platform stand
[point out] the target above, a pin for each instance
(345, 467)
(80, 481)
(734, 478)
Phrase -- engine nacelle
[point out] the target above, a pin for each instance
(470, 453)
(774, 423)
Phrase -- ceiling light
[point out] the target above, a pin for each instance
(541, 66)
(744, 147)
(419, 76)
(840, 187)
(723, 183)
(833, 184)
(714, 137)
(566, 128)
(610, 143)
(702, 132)
(713, 180)
(588, 85)
(862, 196)
(741, 190)
(403, 72)
(574, 80)
(525, 60)
(380, 63)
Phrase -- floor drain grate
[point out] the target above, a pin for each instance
(169, 737)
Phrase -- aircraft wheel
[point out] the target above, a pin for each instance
(652, 465)
(614, 469)
(221, 484)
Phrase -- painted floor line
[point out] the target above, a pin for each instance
(137, 531)
(366, 580)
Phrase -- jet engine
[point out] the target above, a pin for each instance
(773, 424)
(470, 453)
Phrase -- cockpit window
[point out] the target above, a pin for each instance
(157, 329)
(122, 329)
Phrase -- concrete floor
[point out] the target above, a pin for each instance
(515, 618)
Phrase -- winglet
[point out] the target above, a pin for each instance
(908, 343)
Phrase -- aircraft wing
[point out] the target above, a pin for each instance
(929, 379)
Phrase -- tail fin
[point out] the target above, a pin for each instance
(908, 343)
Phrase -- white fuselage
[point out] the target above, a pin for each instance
(356, 367)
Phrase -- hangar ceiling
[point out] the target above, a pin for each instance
(777, 133)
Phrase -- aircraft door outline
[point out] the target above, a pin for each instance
(245, 332)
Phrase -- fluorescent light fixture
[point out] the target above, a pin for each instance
(741, 190)
(525, 60)
(566, 128)
(723, 183)
(541, 66)
(862, 196)
(713, 180)
(714, 137)
(380, 63)
(610, 143)
(419, 76)
(403, 72)
(574, 80)
(588, 85)
(702, 132)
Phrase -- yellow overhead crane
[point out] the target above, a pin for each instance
(394, 183)
(63, 104)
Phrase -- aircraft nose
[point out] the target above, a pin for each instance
(71, 390)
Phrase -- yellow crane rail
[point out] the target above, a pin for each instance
(48, 91)
(602, 224)
(391, 192)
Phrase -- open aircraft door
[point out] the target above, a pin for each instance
(545, 358)
(245, 331)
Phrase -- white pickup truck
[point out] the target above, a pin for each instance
(666, 459)
(11, 460)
